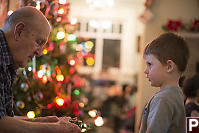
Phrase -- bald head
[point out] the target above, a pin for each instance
(28, 15)
(26, 32)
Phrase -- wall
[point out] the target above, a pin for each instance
(163, 10)
(126, 11)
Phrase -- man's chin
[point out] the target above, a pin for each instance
(22, 65)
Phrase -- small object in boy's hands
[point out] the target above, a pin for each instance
(79, 123)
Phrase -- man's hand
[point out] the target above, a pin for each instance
(47, 119)
(70, 127)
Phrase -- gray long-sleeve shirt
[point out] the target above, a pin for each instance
(165, 112)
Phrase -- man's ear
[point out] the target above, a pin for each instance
(19, 28)
(170, 65)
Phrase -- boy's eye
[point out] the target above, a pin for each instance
(148, 64)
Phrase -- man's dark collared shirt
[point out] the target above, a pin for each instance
(7, 75)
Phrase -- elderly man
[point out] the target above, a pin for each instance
(23, 36)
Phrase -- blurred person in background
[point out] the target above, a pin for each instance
(191, 91)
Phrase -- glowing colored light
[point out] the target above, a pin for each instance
(60, 35)
(110, 3)
(94, 23)
(79, 47)
(20, 104)
(24, 72)
(89, 45)
(38, 5)
(60, 78)
(79, 55)
(58, 19)
(62, 2)
(71, 62)
(84, 127)
(29, 68)
(49, 106)
(76, 92)
(83, 130)
(41, 67)
(90, 61)
(61, 11)
(10, 12)
(44, 79)
(93, 113)
(73, 21)
(57, 70)
(60, 101)
(45, 51)
(106, 24)
(88, 1)
(99, 121)
(71, 37)
(40, 73)
(72, 70)
(22, 85)
(31, 114)
(81, 105)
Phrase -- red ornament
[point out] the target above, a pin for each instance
(174, 25)
(77, 84)
(72, 62)
(49, 106)
(72, 70)
(67, 101)
(67, 78)
(196, 25)
(76, 110)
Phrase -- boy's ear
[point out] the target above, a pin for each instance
(170, 65)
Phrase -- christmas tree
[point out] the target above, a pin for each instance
(50, 84)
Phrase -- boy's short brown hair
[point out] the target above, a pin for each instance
(169, 46)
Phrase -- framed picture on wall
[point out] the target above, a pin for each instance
(4, 5)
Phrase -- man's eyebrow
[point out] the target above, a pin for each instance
(42, 41)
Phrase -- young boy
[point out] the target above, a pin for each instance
(166, 59)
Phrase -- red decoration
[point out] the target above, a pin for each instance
(67, 101)
(67, 78)
(76, 110)
(59, 19)
(90, 55)
(174, 25)
(49, 106)
(51, 46)
(59, 102)
(195, 25)
(72, 70)
(72, 62)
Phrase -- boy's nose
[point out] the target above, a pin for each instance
(146, 71)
